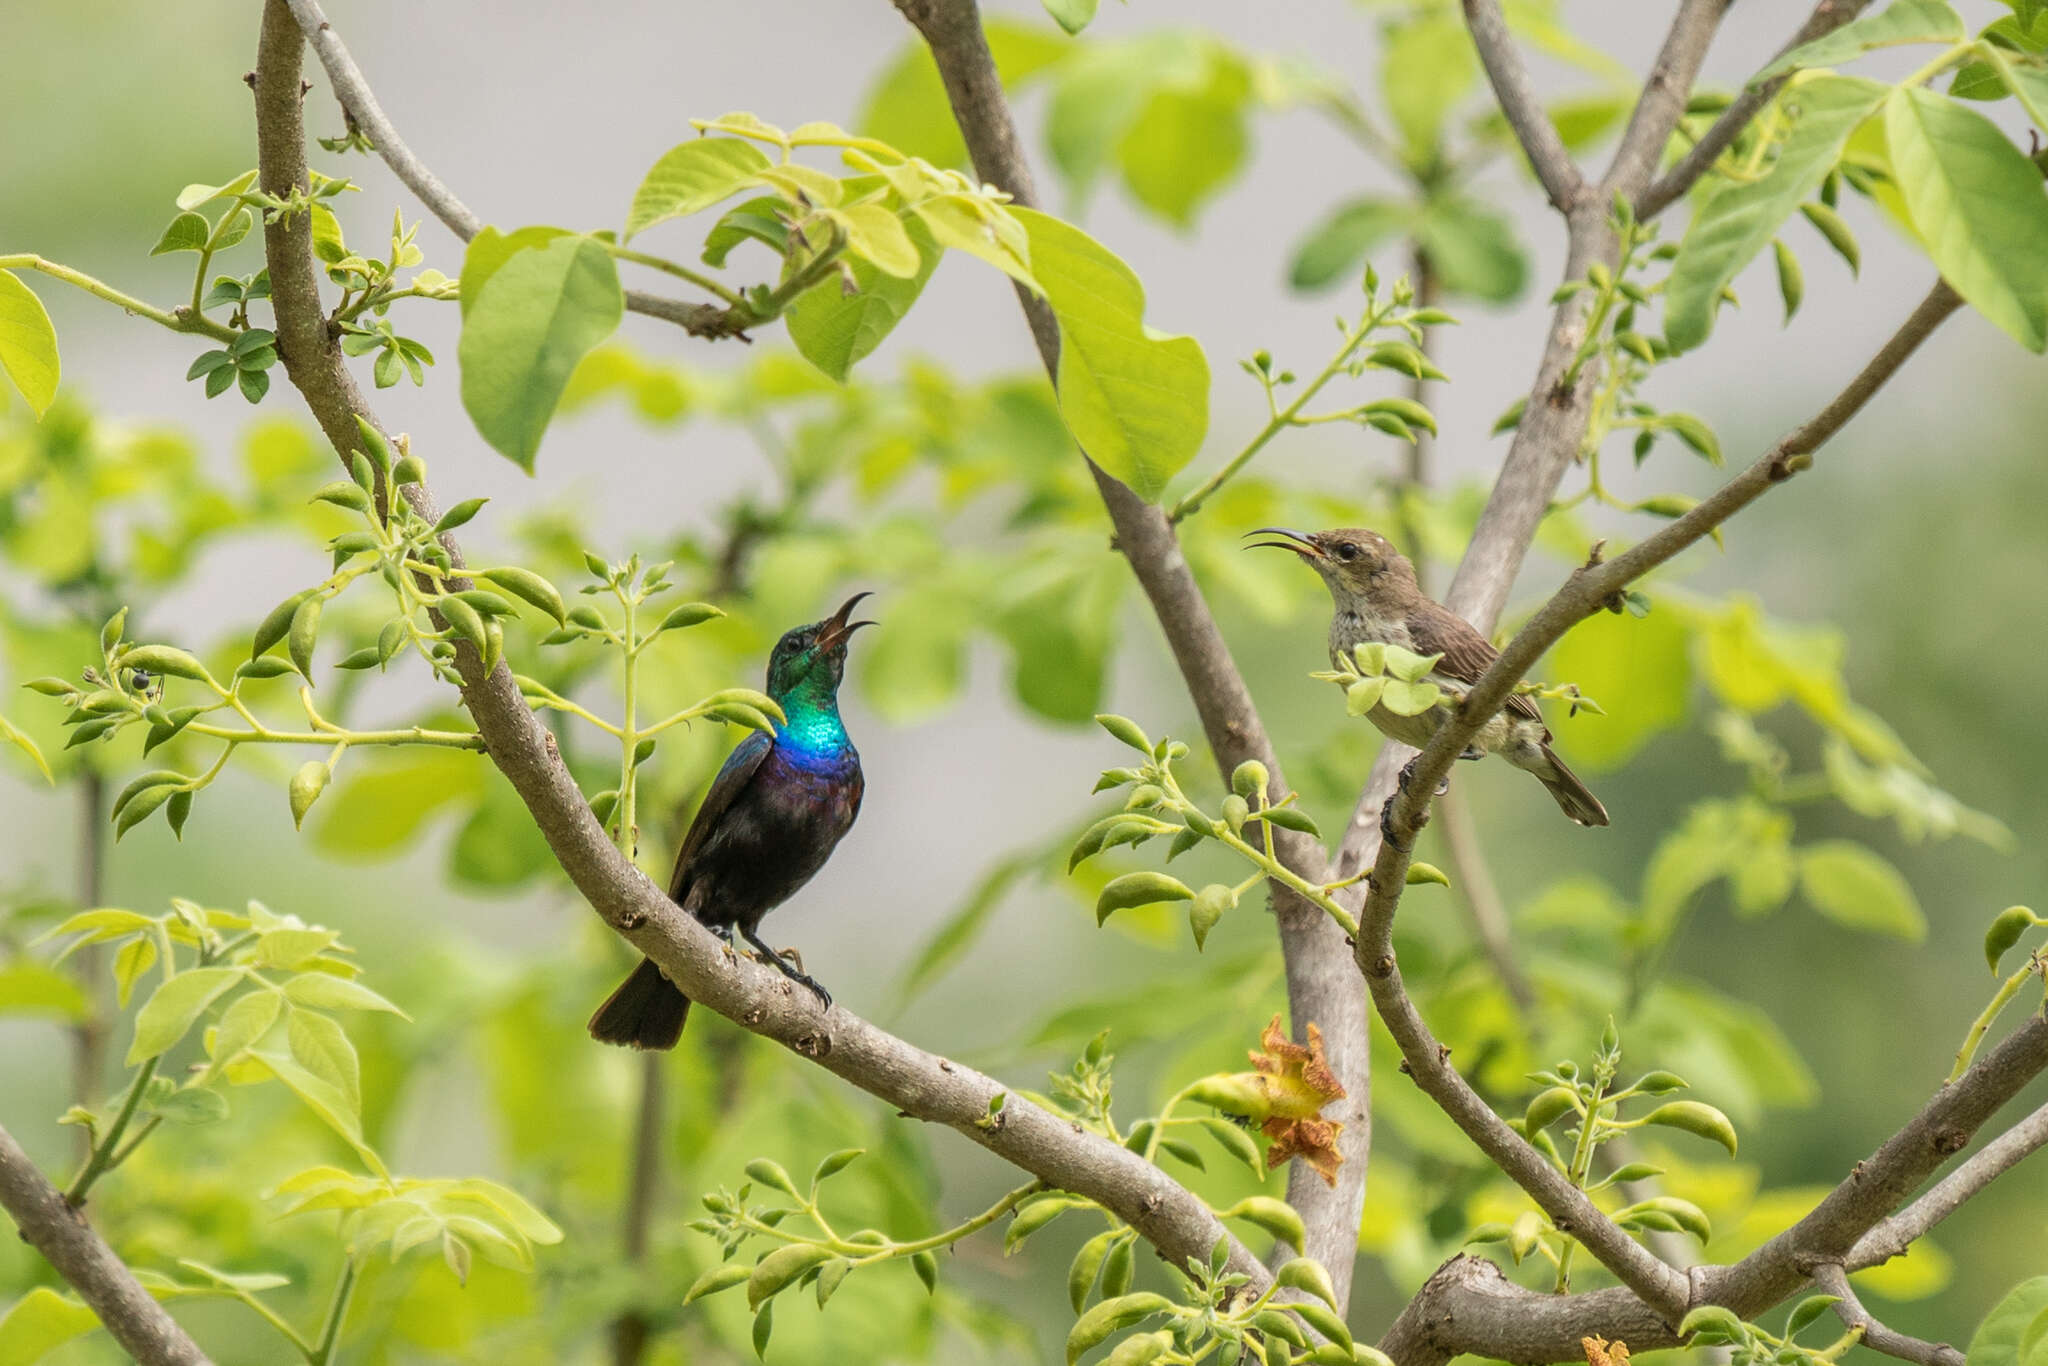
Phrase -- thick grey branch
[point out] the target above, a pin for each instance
(922, 1085)
(1892, 1237)
(360, 102)
(1827, 16)
(1517, 95)
(50, 1225)
(1665, 92)
(1831, 1280)
(1321, 988)
(1468, 1306)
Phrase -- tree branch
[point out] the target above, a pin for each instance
(359, 102)
(1827, 16)
(921, 1085)
(1892, 1237)
(1469, 1306)
(1321, 988)
(1665, 93)
(1831, 1280)
(1553, 165)
(1586, 592)
(49, 1224)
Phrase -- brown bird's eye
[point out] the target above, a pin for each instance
(1347, 550)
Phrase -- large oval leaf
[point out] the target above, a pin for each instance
(1977, 202)
(28, 343)
(1137, 401)
(536, 314)
(1740, 219)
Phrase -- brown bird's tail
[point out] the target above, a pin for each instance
(647, 1011)
(1573, 797)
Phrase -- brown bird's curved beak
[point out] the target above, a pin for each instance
(1300, 542)
(834, 630)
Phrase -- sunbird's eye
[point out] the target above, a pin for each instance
(1347, 550)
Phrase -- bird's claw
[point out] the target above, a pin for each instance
(779, 959)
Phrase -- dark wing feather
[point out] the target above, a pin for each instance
(731, 780)
(1466, 654)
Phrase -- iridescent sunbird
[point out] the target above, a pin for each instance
(774, 814)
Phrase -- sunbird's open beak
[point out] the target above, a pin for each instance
(834, 630)
(1301, 543)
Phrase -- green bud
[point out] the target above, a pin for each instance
(1207, 908)
(1144, 797)
(1236, 811)
(1249, 780)
(2005, 932)
(1126, 730)
(1547, 1108)
(304, 633)
(306, 786)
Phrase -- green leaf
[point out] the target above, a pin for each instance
(1109, 1316)
(1791, 280)
(1740, 218)
(1277, 1217)
(31, 988)
(1306, 1273)
(778, 1268)
(1087, 1262)
(1071, 15)
(323, 1049)
(1998, 1339)
(1852, 885)
(1427, 67)
(1808, 1310)
(40, 1322)
(247, 1019)
(2005, 932)
(194, 1105)
(833, 329)
(1036, 1216)
(716, 1279)
(1695, 1118)
(1335, 247)
(325, 991)
(1899, 23)
(172, 1007)
(1721, 1324)
(187, 232)
(1978, 204)
(15, 737)
(1184, 146)
(28, 344)
(693, 176)
(1139, 889)
(539, 312)
(1137, 402)
(1473, 249)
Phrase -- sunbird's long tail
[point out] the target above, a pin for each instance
(647, 1011)
(1576, 799)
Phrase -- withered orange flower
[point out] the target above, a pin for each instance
(1601, 1352)
(1298, 1083)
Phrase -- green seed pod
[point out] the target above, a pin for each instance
(1249, 780)
(1236, 811)
(306, 786)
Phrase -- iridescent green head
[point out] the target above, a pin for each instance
(809, 661)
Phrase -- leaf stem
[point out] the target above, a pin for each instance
(180, 320)
(101, 1158)
(330, 1333)
(681, 272)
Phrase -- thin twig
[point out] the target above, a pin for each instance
(1827, 16)
(1831, 1279)
(1538, 136)
(49, 1224)
(359, 103)
(920, 1084)
(1665, 92)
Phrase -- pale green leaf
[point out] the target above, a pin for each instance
(834, 330)
(1853, 886)
(1137, 402)
(1740, 218)
(28, 343)
(1899, 23)
(1978, 204)
(173, 1006)
(693, 176)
